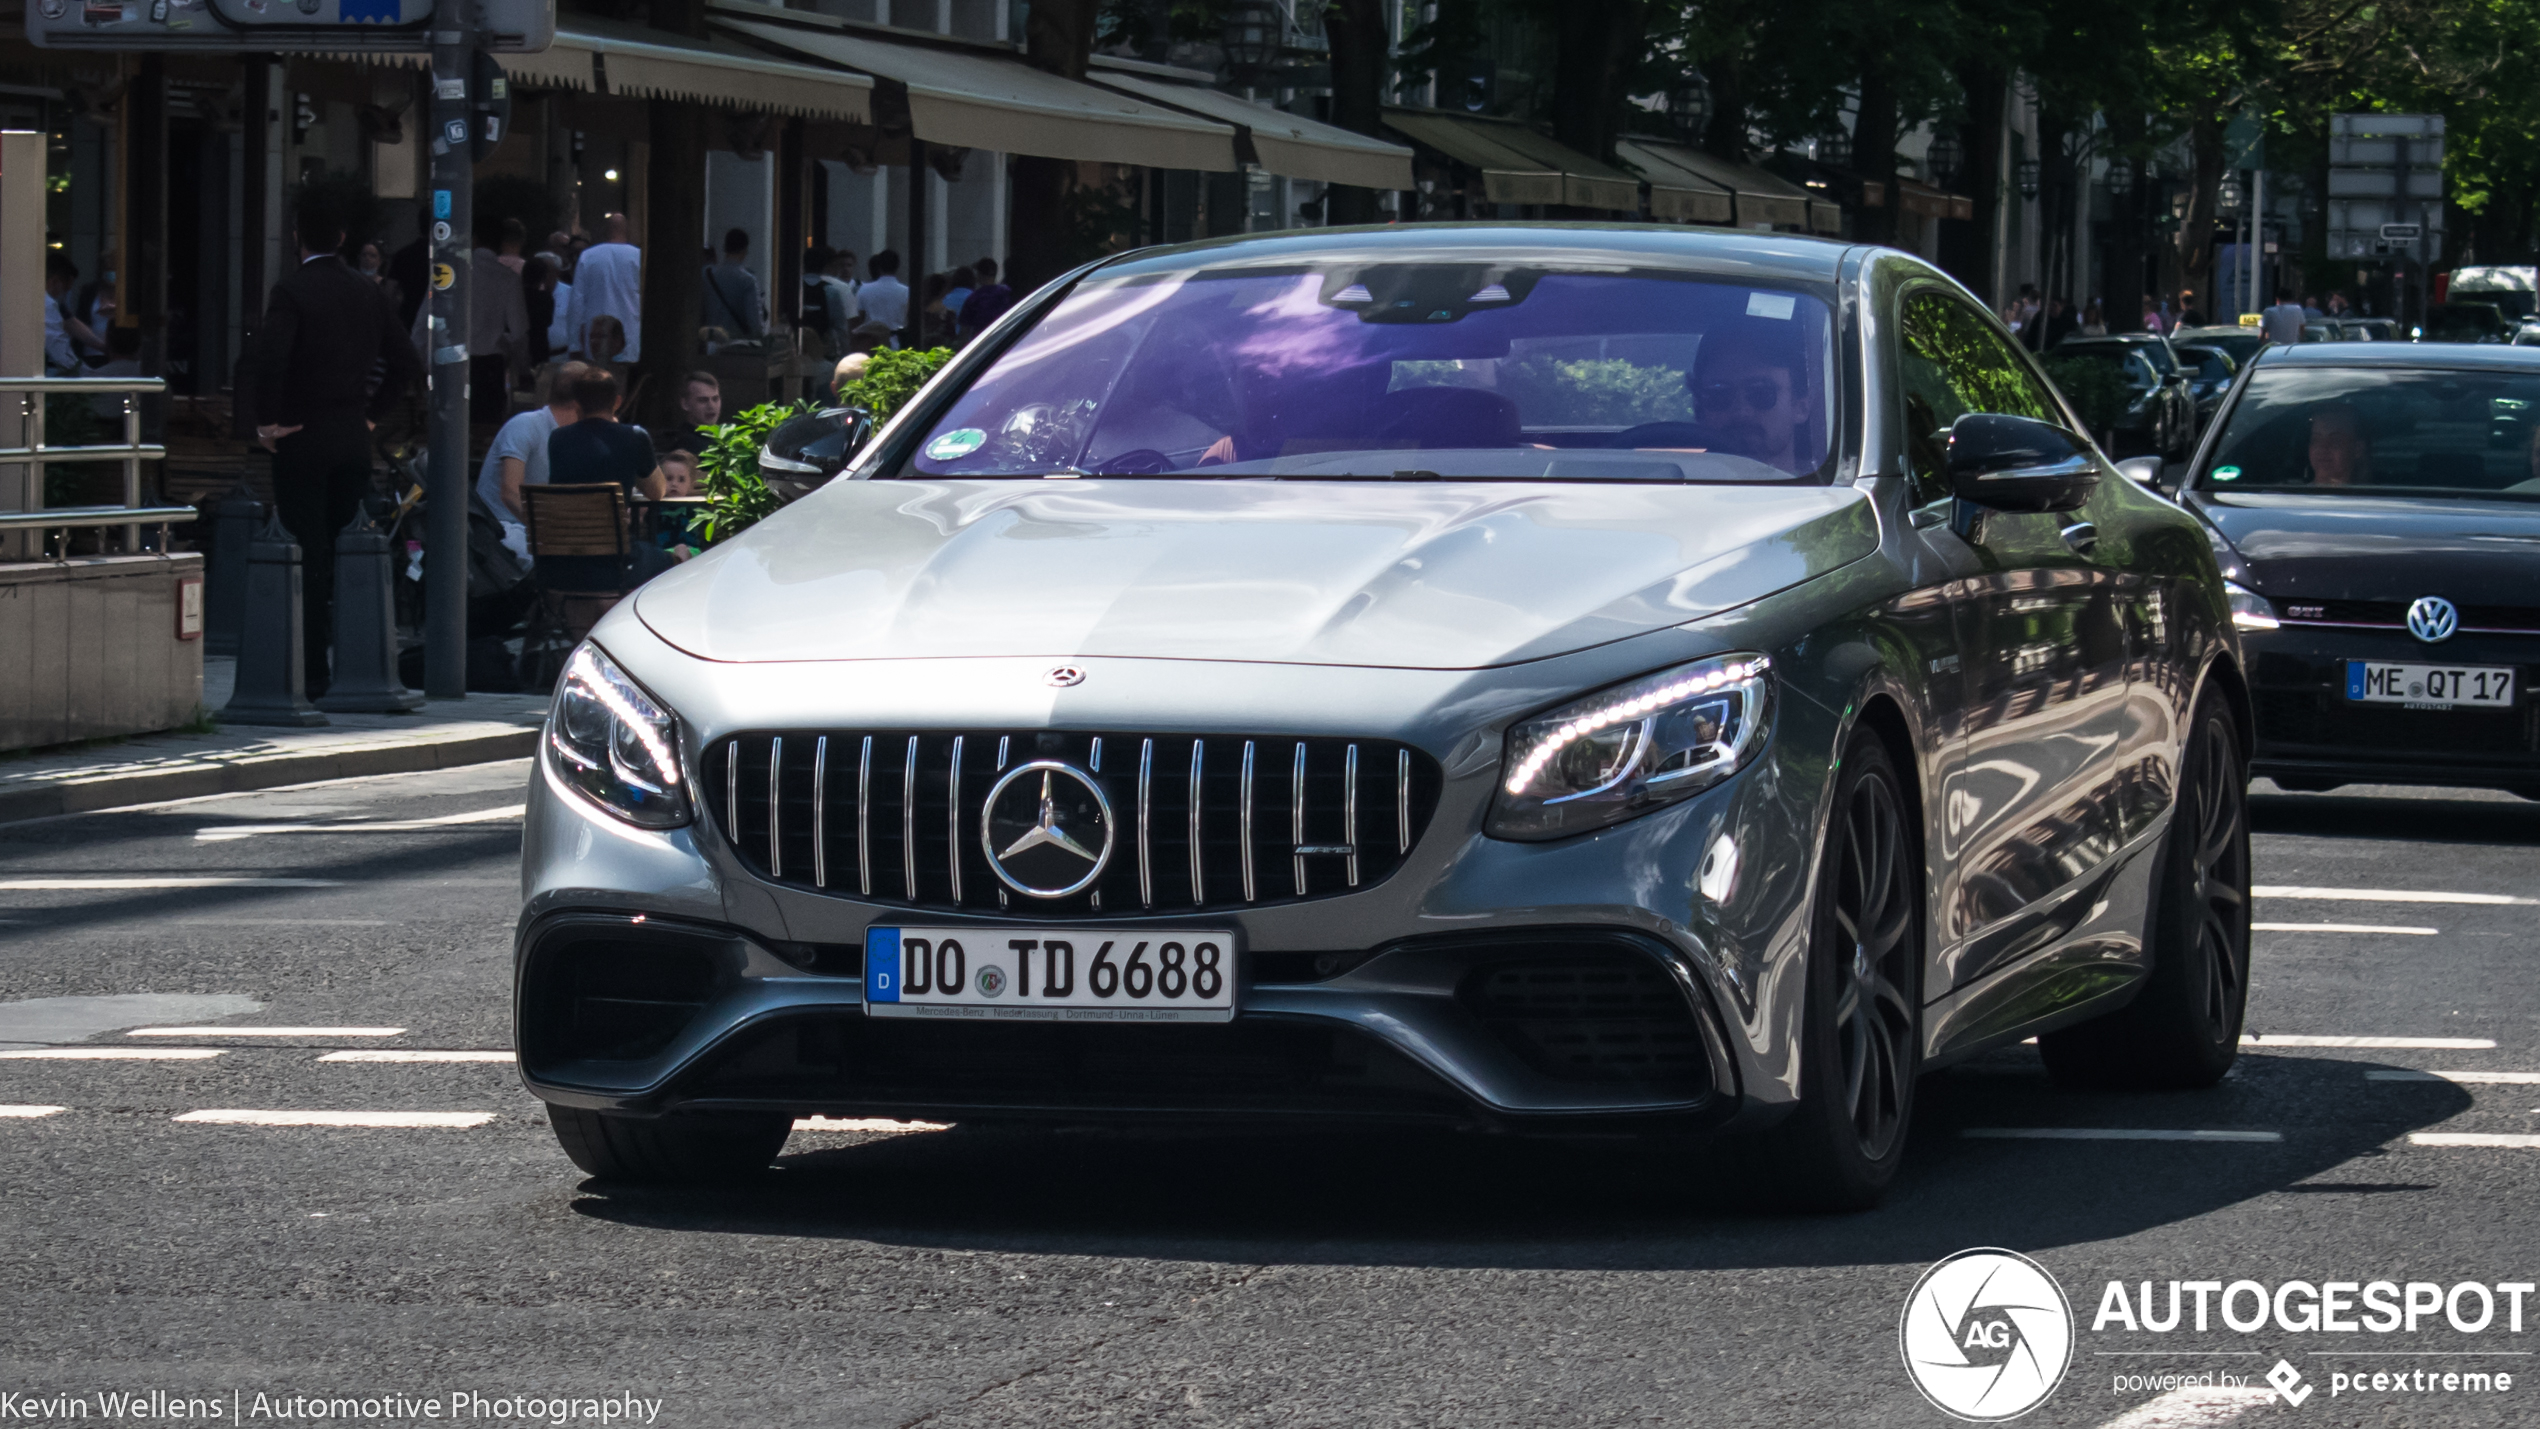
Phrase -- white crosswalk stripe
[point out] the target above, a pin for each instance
(2515, 1141)
(2429, 1044)
(112, 1054)
(2467, 1079)
(2381, 895)
(2113, 1133)
(235, 1116)
(402, 1055)
(28, 1111)
(266, 1032)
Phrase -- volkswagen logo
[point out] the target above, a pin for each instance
(1046, 829)
(1986, 1335)
(2432, 619)
(1064, 676)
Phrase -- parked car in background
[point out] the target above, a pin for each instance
(2210, 372)
(2377, 510)
(2159, 418)
(2239, 343)
(2465, 322)
(1558, 680)
(2376, 329)
(2514, 291)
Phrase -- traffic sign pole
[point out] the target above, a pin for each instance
(453, 238)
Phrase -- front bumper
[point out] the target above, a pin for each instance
(2308, 731)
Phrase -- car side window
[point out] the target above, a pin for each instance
(1954, 363)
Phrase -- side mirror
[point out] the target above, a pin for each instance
(2002, 463)
(2143, 470)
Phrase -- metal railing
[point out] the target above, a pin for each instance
(36, 456)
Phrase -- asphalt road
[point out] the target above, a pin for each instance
(959, 1277)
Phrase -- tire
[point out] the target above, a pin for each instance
(1860, 1044)
(671, 1150)
(2183, 1028)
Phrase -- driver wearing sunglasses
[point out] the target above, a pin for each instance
(1752, 398)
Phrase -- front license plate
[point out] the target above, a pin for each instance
(2376, 682)
(1050, 974)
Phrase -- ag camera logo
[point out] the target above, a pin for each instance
(1987, 1335)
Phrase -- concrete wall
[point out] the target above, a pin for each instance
(89, 649)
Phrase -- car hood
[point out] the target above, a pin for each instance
(1431, 575)
(2381, 548)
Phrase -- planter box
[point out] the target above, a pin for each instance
(90, 648)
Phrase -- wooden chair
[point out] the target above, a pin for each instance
(582, 528)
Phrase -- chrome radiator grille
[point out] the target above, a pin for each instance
(1198, 822)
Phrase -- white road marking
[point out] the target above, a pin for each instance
(266, 1032)
(27, 1111)
(2112, 1133)
(2430, 1044)
(2343, 928)
(405, 1056)
(282, 923)
(2469, 1079)
(226, 1116)
(2510, 1141)
(114, 1054)
(865, 1123)
(225, 833)
(2202, 1406)
(2380, 895)
(81, 885)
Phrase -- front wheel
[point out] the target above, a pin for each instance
(1860, 1045)
(2183, 1028)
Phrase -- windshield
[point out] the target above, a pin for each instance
(2418, 433)
(1406, 371)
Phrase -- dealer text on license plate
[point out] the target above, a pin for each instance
(2379, 682)
(1050, 974)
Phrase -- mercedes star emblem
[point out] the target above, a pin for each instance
(2432, 619)
(1064, 676)
(1050, 836)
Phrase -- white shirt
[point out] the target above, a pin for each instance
(557, 328)
(609, 281)
(885, 301)
(2282, 323)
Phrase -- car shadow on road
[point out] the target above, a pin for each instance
(2430, 816)
(1448, 1199)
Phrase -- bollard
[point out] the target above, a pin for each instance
(272, 688)
(234, 523)
(365, 627)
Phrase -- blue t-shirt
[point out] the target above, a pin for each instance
(593, 451)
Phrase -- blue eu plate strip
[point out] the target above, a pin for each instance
(2354, 680)
(881, 964)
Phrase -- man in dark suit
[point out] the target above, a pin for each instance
(332, 359)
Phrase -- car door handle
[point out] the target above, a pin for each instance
(2080, 537)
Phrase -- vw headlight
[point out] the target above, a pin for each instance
(1619, 753)
(2250, 610)
(614, 744)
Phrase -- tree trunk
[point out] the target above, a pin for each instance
(2195, 241)
(1058, 36)
(1967, 245)
(1361, 58)
(1597, 46)
(1725, 134)
(674, 222)
(1874, 151)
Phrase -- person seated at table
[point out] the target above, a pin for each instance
(599, 448)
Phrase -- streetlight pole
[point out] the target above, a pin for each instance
(446, 349)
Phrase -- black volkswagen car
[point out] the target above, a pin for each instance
(2377, 511)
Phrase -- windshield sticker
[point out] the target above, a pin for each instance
(2226, 473)
(956, 444)
(1771, 305)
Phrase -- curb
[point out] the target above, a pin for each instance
(78, 795)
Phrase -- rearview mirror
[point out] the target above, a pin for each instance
(2020, 464)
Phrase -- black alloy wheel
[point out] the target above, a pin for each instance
(2183, 1028)
(1860, 1048)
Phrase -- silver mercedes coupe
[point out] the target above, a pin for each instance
(1554, 679)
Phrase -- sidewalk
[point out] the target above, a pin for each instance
(447, 733)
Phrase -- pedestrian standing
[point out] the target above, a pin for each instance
(885, 298)
(987, 303)
(732, 300)
(2282, 322)
(331, 360)
(608, 281)
(515, 238)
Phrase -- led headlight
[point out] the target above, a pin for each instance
(1619, 753)
(614, 744)
(2250, 610)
